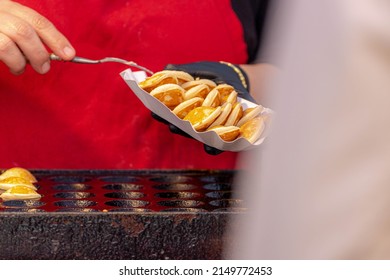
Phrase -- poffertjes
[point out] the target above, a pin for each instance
(17, 183)
(169, 94)
(19, 192)
(18, 172)
(185, 107)
(158, 79)
(202, 117)
(206, 105)
(9, 182)
(227, 133)
(252, 129)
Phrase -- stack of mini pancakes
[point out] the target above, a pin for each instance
(18, 184)
(206, 105)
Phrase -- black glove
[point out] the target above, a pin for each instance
(220, 73)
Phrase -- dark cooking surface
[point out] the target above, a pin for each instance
(114, 214)
(130, 191)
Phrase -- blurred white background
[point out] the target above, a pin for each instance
(319, 187)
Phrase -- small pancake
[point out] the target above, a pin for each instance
(157, 80)
(250, 113)
(235, 115)
(197, 91)
(212, 99)
(226, 133)
(185, 107)
(170, 95)
(231, 97)
(18, 172)
(197, 82)
(202, 117)
(226, 109)
(19, 192)
(9, 182)
(252, 129)
(181, 76)
(224, 89)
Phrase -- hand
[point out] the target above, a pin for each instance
(218, 72)
(23, 36)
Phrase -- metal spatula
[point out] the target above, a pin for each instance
(83, 60)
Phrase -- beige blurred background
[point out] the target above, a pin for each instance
(319, 187)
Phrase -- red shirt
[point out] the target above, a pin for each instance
(85, 116)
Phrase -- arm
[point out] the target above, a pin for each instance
(260, 76)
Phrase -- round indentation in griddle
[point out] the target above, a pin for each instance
(29, 210)
(75, 203)
(125, 195)
(220, 194)
(227, 203)
(177, 195)
(217, 179)
(129, 210)
(73, 195)
(180, 203)
(123, 187)
(72, 187)
(23, 203)
(119, 179)
(171, 179)
(183, 210)
(70, 179)
(127, 203)
(175, 187)
(75, 209)
(218, 187)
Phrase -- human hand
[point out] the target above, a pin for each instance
(219, 72)
(23, 36)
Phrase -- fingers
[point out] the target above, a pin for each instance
(158, 118)
(11, 55)
(47, 32)
(23, 36)
(176, 130)
(212, 151)
(26, 39)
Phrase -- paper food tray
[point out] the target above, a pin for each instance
(208, 137)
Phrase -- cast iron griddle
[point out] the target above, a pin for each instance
(130, 191)
(122, 214)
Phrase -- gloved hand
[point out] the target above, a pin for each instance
(219, 72)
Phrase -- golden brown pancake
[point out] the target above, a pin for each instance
(202, 117)
(226, 133)
(10, 182)
(197, 82)
(212, 99)
(235, 115)
(19, 192)
(181, 76)
(226, 109)
(250, 113)
(185, 107)
(252, 129)
(197, 91)
(170, 95)
(18, 172)
(157, 80)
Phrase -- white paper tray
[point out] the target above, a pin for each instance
(208, 137)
